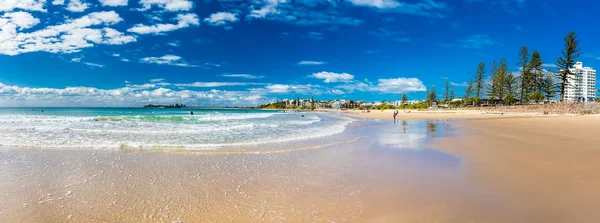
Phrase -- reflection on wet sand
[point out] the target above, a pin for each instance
(386, 176)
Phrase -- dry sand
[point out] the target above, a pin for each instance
(548, 167)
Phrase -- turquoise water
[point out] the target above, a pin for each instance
(82, 112)
(114, 128)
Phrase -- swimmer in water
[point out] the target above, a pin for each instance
(192, 113)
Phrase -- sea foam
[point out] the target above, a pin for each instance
(182, 131)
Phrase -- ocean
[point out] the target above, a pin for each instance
(156, 128)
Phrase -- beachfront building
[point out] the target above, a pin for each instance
(582, 85)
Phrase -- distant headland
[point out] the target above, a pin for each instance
(165, 106)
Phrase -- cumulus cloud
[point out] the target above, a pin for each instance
(168, 59)
(183, 21)
(278, 88)
(113, 2)
(221, 18)
(130, 95)
(304, 89)
(77, 6)
(330, 77)
(29, 5)
(246, 76)
(310, 62)
(169, 5)
(399, 85)
(68, 37)
(22, 20)
(386, 86)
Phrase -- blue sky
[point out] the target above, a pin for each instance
(134, 52)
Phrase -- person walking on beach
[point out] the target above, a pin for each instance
(395, 114)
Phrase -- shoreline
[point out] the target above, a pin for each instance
(442, 114)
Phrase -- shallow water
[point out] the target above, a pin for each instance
(141, 128)
(387, 175)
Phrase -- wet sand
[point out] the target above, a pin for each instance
(387, 175)
(439, 114)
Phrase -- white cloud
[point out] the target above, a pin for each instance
(278, 88)
(77, 6)
(330, 77)
(23, 20)
(79, 60)
(125, 60)
(131, 95)
(174, 43)
(68, 37)
(93, 64)
(156, 80)
(386, 86)
(310, 62)
(169, 5)
(290, 88)
(382, 4)
(221, 18)
(337, 91)
(550, 65)
(425, 8)
(183, 21)
(303, 13)
(463, 84)
(58, 2)
(270, 7)
(168, 59)
(399, 85)
(246, 76)
(29, 5)
(116, 55)
(113, 2)
(216, 84)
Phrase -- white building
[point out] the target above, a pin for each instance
(582, 85)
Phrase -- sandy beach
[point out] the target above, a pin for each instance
(428, 167)
(548, 167)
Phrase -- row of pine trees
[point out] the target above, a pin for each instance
(532, 84)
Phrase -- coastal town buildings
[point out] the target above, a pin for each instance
(582, 85)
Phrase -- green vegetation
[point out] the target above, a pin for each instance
(479, 79)
(569, 54)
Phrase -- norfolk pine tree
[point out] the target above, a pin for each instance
(564, 63)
